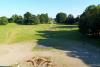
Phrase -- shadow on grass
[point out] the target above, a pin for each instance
(73, 44)
(69, 26)
(60, 35)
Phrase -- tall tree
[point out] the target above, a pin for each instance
(35, 19)
(90, 21)
(70, 19)
(28, 18)
(44, 18)
(14, 18)
(20, 20)
(77, 19)
(61, 18)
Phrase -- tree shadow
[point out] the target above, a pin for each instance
(69, 26)
(72, 43)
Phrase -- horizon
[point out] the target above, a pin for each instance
(10, 7)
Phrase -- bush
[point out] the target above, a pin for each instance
(3, 21)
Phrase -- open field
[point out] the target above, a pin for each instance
(13, 33)
(63, 43)
(50, 33)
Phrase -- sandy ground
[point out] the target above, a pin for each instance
(13, 53)
(16, 53)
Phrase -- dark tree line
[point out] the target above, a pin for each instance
(30, 19)
(63, 18)
(89, 23)
(27, 19)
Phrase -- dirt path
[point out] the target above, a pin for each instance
(85, 52)
(77, 54)
(12, 54)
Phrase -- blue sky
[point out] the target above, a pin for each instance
(52, 7)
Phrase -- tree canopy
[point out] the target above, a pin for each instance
(70, 19)
(44, 18)
(61, 17)
(29, 19)
(90, 21)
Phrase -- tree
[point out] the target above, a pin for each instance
(20, 20)
(44, 18)
(28, 18)
(35, 19)
(10, 20)
(70, 19)
(77, 19)
(3, 20)
(61, 18)
(14, 18)
(90, 21)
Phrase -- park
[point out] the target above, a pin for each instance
(39, 40)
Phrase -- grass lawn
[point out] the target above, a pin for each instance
(56, 33)
(12, 33)
(49, 37)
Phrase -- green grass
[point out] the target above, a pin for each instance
(12, 33)
(50, 33)
(61, 35)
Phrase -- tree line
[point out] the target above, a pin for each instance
(27, 19)
(30, 19)
(88, 21)
(64, 19)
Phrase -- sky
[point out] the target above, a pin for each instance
(52, 7)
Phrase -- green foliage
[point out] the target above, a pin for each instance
(35, 19)
(28, 18)
(14, 18)
(90, 21)
(61, 18)
(70, 19)
(77, 19)
(10, 20)
(3, 21)
(19, 20)
(44, 18)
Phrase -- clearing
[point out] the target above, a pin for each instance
(62, 43)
